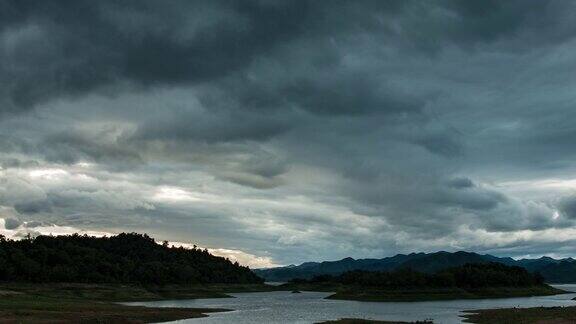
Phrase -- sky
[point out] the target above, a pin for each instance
(279, 132)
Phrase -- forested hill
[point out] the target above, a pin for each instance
(468, 276)
(124, 258)
(468, 281)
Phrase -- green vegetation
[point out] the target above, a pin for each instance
(470, 281)
(84, 303)
(356, 293)
(127, 293)
(469, 276)
(33, 309)
(542, 315)
(124, 258)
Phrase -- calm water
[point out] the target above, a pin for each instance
(310, 307)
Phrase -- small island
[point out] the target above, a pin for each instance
(470, 281)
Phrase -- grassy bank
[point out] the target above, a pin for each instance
(126, 293)
(399, 295)
(540, 315)
(90, 303)
(21, 308)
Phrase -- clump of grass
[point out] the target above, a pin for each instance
(522, 315)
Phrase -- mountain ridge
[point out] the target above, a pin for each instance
(553, 270)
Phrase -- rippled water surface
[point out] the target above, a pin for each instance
(310, 307)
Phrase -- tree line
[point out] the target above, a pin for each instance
(468, 276)
(124, 258)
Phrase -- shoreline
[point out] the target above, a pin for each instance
(358, 293)
(66, 303)
(540, 315)
(73, 302)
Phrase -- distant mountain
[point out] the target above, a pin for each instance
(553, 270)
(563, 271)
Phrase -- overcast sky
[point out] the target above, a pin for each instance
(290, 131)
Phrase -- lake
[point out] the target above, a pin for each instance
(311, 307)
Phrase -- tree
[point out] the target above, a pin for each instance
(124, 258)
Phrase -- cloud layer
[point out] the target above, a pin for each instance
(293, 130)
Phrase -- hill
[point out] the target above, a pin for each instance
(468, 281)
(553, 270)
(124, 258)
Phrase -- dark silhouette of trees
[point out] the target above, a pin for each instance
(468, 276)
(124, 258)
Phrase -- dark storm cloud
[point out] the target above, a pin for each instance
(17, 163)
(33, 207)
(11, 223)
(460, 183)
(228, 127)
(342, 127)
(445, 144)
(72, 146)
(568, 207)
(63, 48)
(347, 94)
